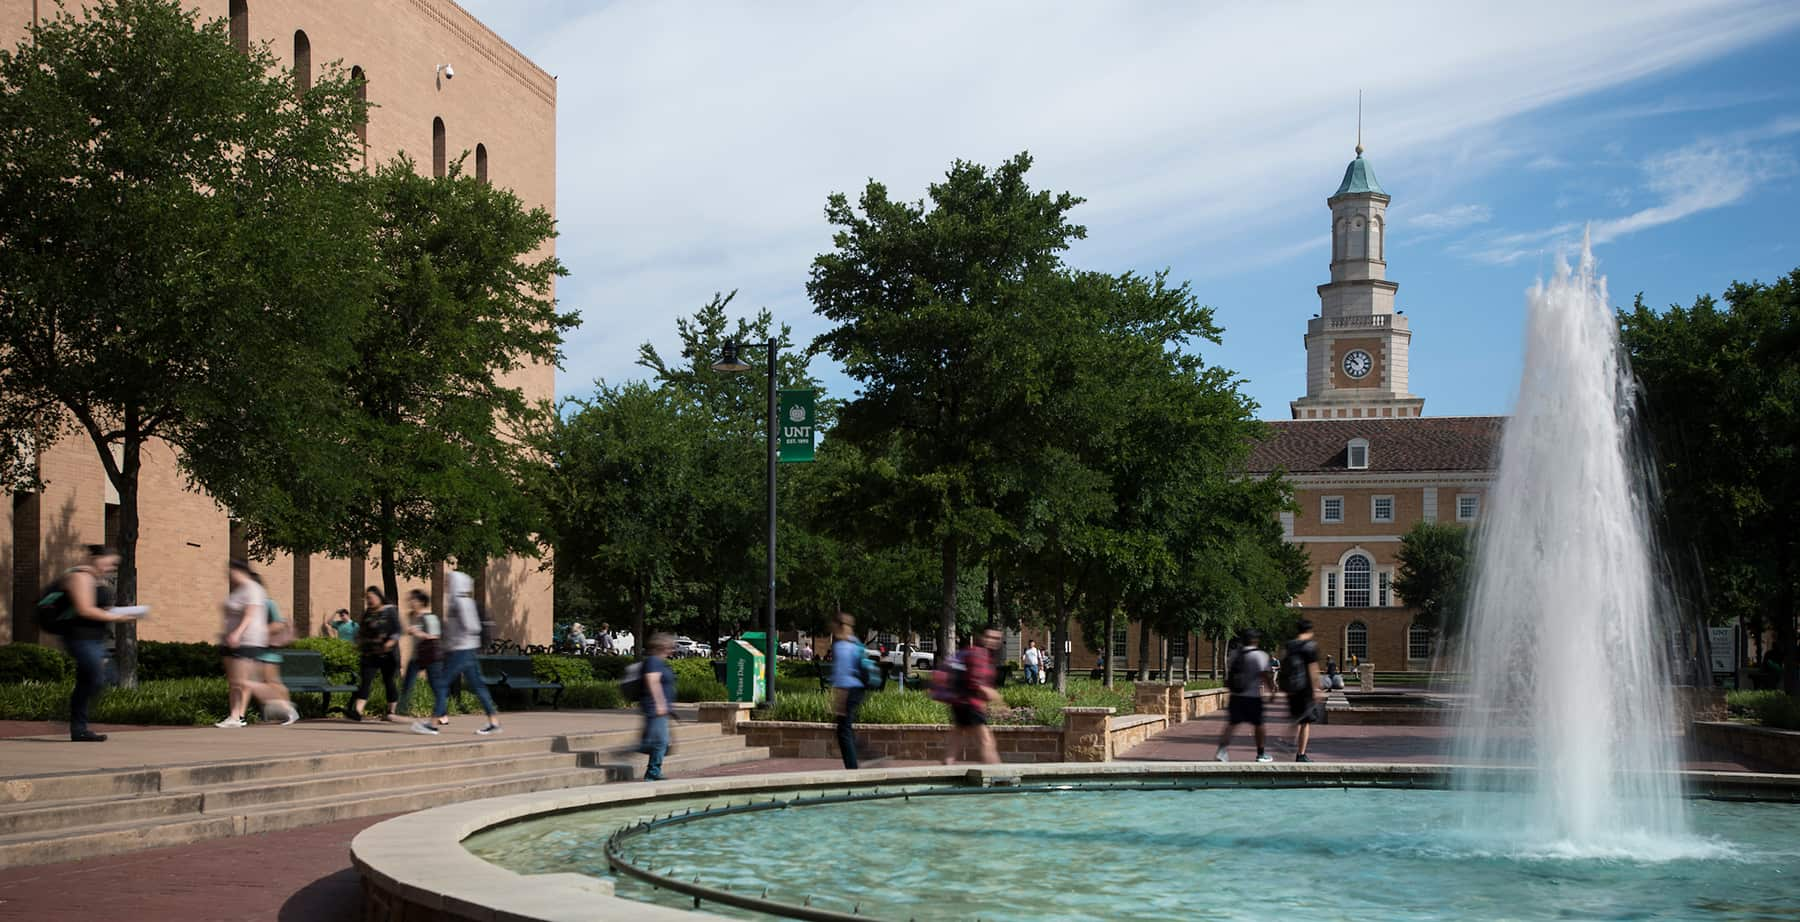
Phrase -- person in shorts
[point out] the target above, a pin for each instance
(244, 641)
(1247, 676)
(969, 711)
(1299, 677)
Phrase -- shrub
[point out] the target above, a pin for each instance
(608, 667)
(181, 702)
(568, 670)
(593, 696)
(29, 662)
(694, 688)
(341, 658)
(1776, 709)
(161, 659)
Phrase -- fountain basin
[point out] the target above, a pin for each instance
(1338, 835)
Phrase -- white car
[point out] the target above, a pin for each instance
(918, 659)
(688, 646)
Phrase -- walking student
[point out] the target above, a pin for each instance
(82, 599)
(245, 639)
(378, 640)
(281, 634)
(1247, 677)
(848, 684)
(1299, 677)
(969, 708)
(424, 628)
(1034, 662)
(657, 699)
(461, 644)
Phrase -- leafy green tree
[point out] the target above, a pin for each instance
(1433, 573)
(182, 249)
(1721, 396)
(431, 447)
(926, 303)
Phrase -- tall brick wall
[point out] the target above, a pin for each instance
(499, 100)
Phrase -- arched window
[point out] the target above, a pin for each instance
(1359, 242)
(302, 62)
(1356, 640)
(437, 148)
(361, 80)
(1377, 244)
(481, 162)
(240, 25)
(1418, 642)
(1356, 581)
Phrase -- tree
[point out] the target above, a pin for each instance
(181, 246)
(431, 444)
(1432, 574)
(1721, 400)
(926, 302)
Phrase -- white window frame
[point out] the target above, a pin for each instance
(1350, 644)
(1471, 497)
(1350, 454)
(1368, 589)
(1384, 589)
(1375, 509)
(1325, 510)
(1430, 642)
(1331, 584)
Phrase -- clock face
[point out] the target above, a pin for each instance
(1357, 363)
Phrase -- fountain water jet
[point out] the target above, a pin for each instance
(1566, 642)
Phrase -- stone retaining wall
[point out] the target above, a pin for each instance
(1779, 749)
(788, 739)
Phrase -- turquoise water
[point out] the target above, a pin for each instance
(1232, 854)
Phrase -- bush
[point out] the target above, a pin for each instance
(693, 688)
(568, 670)
(609, 668)
(593, 696)
(1776, 709)
(179, 702)
(29, 662)
(161, 659)
(342, 662)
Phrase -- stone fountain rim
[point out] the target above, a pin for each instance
(419, 859)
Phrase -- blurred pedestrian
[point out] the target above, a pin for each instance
(281, 634)
(1299, 677)
(975, 692)
(578, 637)
(657, 699)
(424, 629)
(849, 683)
(80, 604)
(1247, 677)
(461, 644)
(244, 641)
(378, 641)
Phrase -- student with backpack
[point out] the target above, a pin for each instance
(967, 685)
(1247, 677)
(378, 642)
(651, 684)
(244, 640)
(77, 607)
(852, 675)
(1299, 676)
(464, 630)
(424, 628)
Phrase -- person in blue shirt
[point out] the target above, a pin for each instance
(658, 701)
(846, 684)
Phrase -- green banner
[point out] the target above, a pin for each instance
(794, 420)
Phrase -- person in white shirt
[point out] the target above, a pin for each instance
(245, 639)
(1034, 662)
(461, 644)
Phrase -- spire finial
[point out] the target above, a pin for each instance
(1359, 123)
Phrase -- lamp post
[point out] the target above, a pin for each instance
(729, 363)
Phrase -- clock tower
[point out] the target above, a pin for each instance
(1356, 346)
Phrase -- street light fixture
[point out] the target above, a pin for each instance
(729, 363)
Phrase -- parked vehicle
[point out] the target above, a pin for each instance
(916, 659)
(688, 646)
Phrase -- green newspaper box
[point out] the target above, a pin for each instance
(744, 671)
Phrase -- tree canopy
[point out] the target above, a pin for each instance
(1433, 573)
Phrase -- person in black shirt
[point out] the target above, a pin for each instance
(378, 639)
(1299, 676)
(90, 592)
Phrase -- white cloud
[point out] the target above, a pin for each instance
(698, 140)
(1451, 218)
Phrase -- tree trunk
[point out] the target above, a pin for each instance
(1784, 623)
(1106, 648)
(947, 617)
(1144, 651)
(1059, 641)
(125, 649)
(1216, 644)
(991, 597)
(639, 601)
(390, 580)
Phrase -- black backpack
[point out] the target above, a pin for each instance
(55, 610)
(1295, 679)
(1239, 677)
(631, 684)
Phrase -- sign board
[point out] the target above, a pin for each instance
(744, 673)
(794, 421)
(1723, 642)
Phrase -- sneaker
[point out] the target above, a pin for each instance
(230, 723)
(420, 726)
(1302, 758)
(1264, 757)
(87, 736)
(1222, 755)
(489, 729)
(285, 711)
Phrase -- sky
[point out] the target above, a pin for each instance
(697, 143)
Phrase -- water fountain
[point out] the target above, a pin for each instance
(1566, 640)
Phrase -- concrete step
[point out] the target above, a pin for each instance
(47, 847)
(253, 794)
(70, 814)
(686, 762)
(616, 739)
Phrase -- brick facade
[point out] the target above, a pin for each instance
(499, 101)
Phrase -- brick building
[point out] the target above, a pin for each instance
(500, 109)
(1364, 462)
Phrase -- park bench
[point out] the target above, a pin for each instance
(513, 673)
(303, 672)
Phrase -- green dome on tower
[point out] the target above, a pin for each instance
(1358, 177)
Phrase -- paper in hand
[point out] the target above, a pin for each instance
(132, 611)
